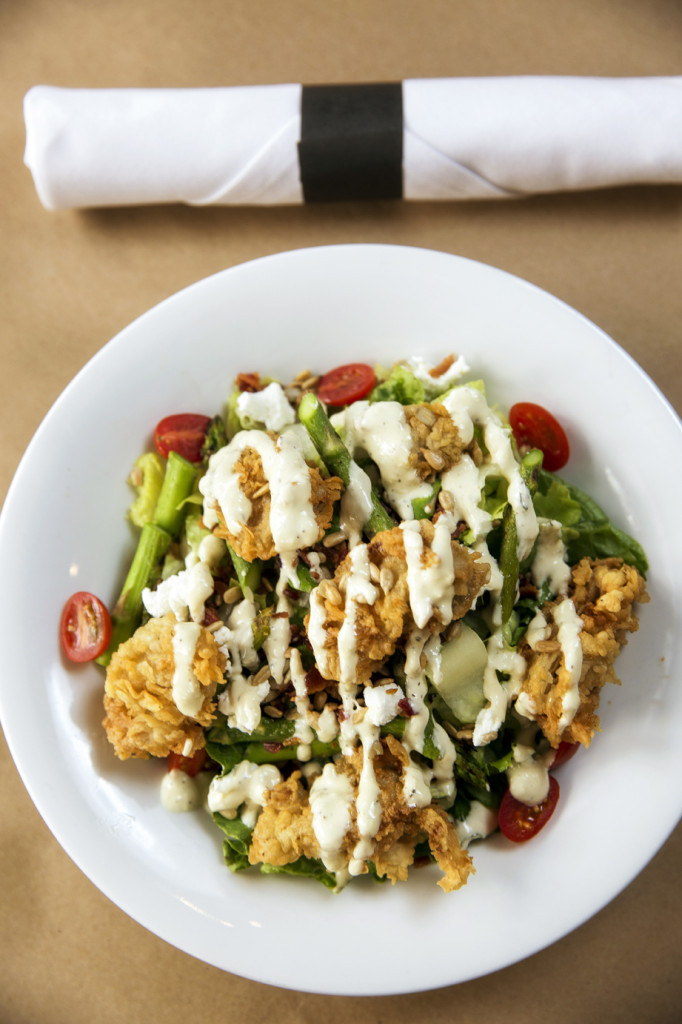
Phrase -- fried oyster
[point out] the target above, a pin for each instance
(604, 593)
(284, 830)
(142, 718)
(380, 627)
(255, 539)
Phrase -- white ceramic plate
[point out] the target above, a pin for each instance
(63, 529)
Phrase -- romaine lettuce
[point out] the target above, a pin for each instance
(586, 531)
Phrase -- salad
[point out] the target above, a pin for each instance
(366, 620)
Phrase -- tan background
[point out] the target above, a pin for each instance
(69, 281)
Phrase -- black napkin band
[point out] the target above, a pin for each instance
(351, 142)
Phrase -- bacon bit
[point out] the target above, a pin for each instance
(272, 748)
(248, 382)
(280, 615)
(210, 616)
(443, 367)
(335, 555)
(421, 862)
(341, 715)
(406, 708)
(314, 681)
(527, 589)
(459, 530)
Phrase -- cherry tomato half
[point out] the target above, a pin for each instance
(189, 765)
(85, 628)
(564, 753)
(346, 384)
(519, 822)
(535, 427)
(183, 433)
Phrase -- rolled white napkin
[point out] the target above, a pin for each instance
(462, 138)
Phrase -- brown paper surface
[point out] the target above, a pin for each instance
(70, 281)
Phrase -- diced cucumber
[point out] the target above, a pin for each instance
(463, 662)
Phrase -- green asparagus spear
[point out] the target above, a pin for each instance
(248, 573)
(337, 458)
(151, 547)
(177, 485)
(509, 563)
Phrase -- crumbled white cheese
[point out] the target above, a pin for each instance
(382, 702)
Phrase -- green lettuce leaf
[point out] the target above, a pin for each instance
(236, 842)
(236, 853)
(401, 385)
(586, 531)
(304, 867)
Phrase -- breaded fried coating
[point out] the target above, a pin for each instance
(141, 717)
(383, 625)
(255, 540)
(437, 442)
(284, 830)
(604, 593)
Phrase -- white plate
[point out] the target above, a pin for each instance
(63, 529)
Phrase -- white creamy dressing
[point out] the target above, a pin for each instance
(292, 517)
(356, 504)
(331, 800)
(570, 625)
(307, 720)
(241, 701)
(184, 594)
(431, 587)
(245, 787)
(188, 696)
(359, 590)
(464, 482)
(180, 792)
(480, 822)
(499, 694)
(549, 561)
(422, 657)
(367, 803)
(422, 370)
(528, 775)
(279, 636)
(383, 432)
(538, 630)
(270, 406)
(468, 407)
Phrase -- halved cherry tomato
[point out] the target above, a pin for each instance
(346, 384)
(183, 433)
(519, 822)
(85, 628)
(535, 427)
(564, 753)
(189, 765)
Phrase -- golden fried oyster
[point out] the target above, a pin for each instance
(604, 593)
(284, 830)
(141, 716)
(438, 445)
(379, 628)
(255, 540)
